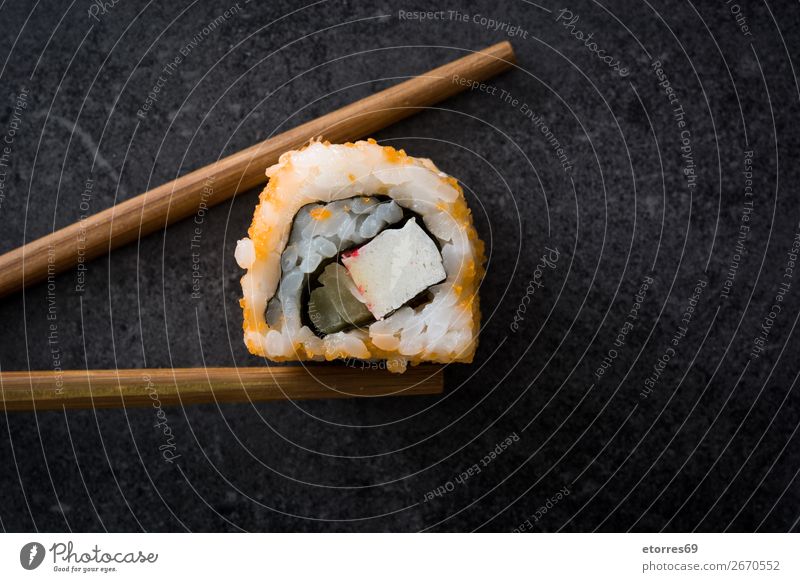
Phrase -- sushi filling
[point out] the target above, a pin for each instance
(321, 201)
(389, 261)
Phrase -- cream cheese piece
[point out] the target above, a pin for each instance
(394, 267)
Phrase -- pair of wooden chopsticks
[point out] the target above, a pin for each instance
(181, 198)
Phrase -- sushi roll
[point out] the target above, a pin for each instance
(359, 251)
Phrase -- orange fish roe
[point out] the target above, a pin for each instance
(320, 213)
(454, 183)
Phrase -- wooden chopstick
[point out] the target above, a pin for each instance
(157, 387)
(212, 184)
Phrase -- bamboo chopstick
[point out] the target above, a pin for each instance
(48, 390)
(241, 171)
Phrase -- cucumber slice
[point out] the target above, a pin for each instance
(333, 307)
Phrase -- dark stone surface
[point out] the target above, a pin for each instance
(713, 447)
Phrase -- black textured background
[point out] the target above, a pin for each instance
(712, 448)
